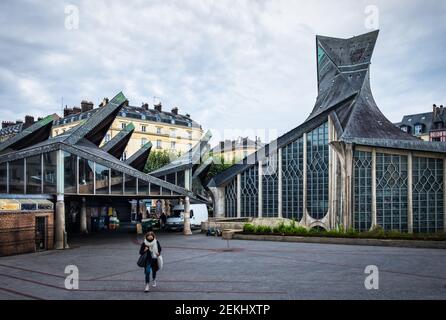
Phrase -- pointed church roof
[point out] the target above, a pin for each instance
(344, 94)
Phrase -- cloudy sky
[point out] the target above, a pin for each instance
(243, 65)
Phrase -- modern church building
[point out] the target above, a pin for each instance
(346, 165)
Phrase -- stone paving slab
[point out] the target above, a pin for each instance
(200, 267)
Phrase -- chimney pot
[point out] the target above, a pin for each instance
(29, 120)
(86, 106)
(175, 111)
(159, 107)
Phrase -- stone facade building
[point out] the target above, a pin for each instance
(166, 130)
(346, 165)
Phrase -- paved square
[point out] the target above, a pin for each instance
(200, 267)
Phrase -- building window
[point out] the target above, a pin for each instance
(391, 192)
(231, 199)
(158, 130)
(158, 144)
(173, 145)
(124, 156)
(107, 138)
(418, 129)
(427, 195)
(173, 133)
(86, 176)
(362, 191)
(143, 128)
(317, 172)
(34, 175)
(249, 192)
(292, 177)
(404, 129)
(270, 189)
(123, 125)
(143, 142)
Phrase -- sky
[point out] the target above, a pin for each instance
(237, 67)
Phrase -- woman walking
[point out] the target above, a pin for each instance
(152, 247)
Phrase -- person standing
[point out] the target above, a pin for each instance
(163, 220)
(152, 247)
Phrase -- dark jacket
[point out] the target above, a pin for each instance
(150, 261)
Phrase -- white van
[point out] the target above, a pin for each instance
(198, 214)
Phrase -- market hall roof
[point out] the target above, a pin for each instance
(39, 131)
(192, 158)
(80, 141)
(116, 146)
(139, 159)
(344, 95)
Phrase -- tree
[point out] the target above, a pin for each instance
(217, 167)
(158, 159)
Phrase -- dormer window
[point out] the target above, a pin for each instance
(418, 129)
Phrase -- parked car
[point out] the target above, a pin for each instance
(198, 214)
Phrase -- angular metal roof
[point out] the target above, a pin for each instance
(81, 142)
(188, 160)
(139, 159)
(39, 131)
(96, 127)
(116, 146)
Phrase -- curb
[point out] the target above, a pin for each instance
(345, 241)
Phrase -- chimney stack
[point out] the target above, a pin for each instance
(103, 103)
(158, 107)
(86, 106)
(175, 111)
(6, 124)
(76, 110)
(29, 121)
(67, 111)
(145, 106)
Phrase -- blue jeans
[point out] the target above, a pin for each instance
(147, 271)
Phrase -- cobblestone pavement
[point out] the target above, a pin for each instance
(200, 267)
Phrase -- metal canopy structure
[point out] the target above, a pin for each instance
(38, 132)
(139, 159)
(116, 146)
(189, 169)
(74, 164)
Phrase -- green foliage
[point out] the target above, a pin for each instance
(263, 229)
(216, 168)
(340, 232)
(158, 159)
(249, 228)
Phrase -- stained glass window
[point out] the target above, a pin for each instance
(427, 195)
(231, 199)
(292, 180)
(362, 191)
(317, 172)
(249, 192)
(270, 187)
(391, 191)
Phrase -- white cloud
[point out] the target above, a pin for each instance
(230, 64)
